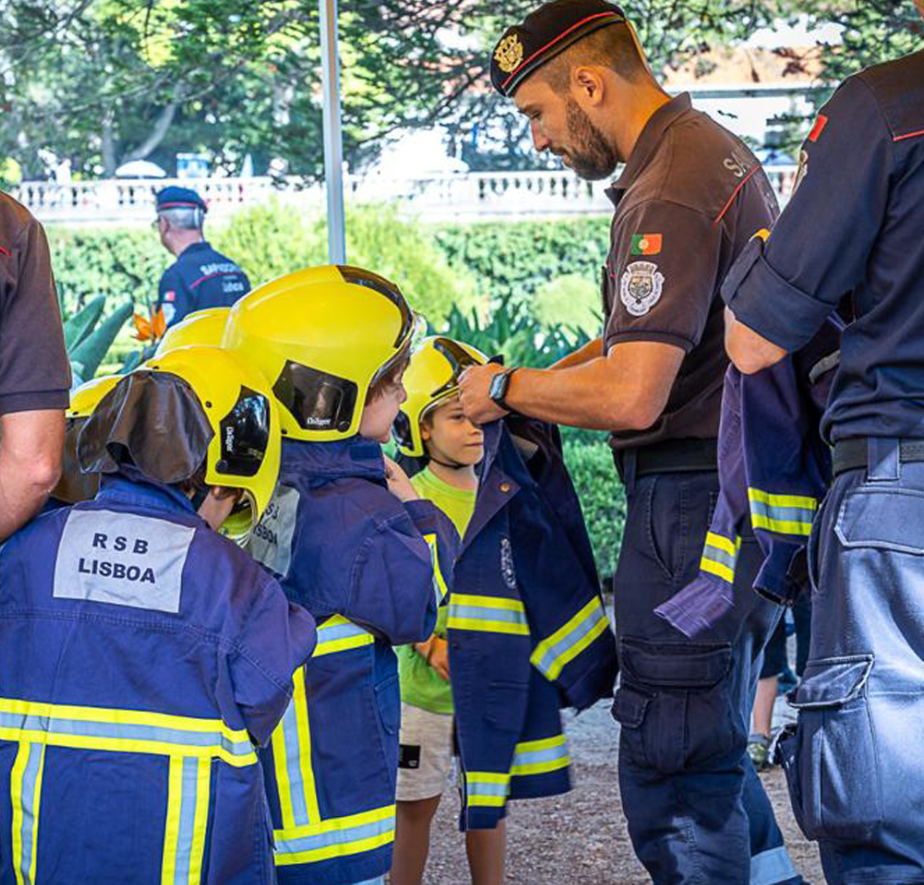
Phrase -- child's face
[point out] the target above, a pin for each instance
(380, 414)
(451, 437)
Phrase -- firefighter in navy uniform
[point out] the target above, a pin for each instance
(200, 277)
(854, 762)
(689, 199)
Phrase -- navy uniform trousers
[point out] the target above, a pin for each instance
(855, 764)
(696, 810)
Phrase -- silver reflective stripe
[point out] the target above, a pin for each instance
(550, 656)
(150, 734)
(479, 613)
(122, 559)
(270, 543)
(293, 753)
(26, 795)
(772, 866)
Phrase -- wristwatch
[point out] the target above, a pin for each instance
(500, 383)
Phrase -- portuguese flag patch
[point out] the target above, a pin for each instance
(646, 244)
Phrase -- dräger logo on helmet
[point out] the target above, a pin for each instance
(315, 421)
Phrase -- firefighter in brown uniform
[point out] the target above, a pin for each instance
(689, 199)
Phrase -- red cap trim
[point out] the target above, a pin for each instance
(909, 135)
(6, 252)
(561, 36)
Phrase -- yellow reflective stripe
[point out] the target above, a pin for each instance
(781, 526)
(800, 501)
(172, 823)
(346, 822)
(526, 768)
(512, 605)
(25, 797)
(545, 744)
(121, 716)
(439, 582)
(486, 626)
(548, 754)
(281, 767)
(197, 850)
(544, 656)
(725, 544)
(486, 777)
(325, 848)
(717, 568)
(335, 645)
(304, 743)
(489, 801)
(125, 745)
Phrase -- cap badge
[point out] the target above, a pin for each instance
(509, 54)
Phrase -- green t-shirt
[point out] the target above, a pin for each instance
(421, 685)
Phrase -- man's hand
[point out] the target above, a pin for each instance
(474, 387)
(749, 351)
(398, 483)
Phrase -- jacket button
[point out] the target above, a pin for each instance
(505, 487)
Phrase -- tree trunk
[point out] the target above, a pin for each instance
(107, 146)
(159, 131)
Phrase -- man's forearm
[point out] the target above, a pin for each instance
(30, 464)
(581, 396)
(590, 351)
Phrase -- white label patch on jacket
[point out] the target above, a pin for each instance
(122, 559)
(271, 541)
(506, 562)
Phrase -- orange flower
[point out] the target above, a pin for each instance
(150, 329)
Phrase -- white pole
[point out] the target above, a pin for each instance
(333, 137)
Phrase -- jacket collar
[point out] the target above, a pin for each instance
(646, 146)
(129, 486)
(353, 457)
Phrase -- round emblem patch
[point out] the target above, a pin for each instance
(509, 54)
(641, 286)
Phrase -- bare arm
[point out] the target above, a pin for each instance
(591, 351)
(749, 351)
(627, 390)
(31, 445)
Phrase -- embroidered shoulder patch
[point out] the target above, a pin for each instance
(641, 287)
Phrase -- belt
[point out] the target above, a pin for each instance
(852, 454)
(670, 456)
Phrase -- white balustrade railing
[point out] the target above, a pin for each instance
(449, 197)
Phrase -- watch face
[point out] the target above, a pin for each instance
(498, 386)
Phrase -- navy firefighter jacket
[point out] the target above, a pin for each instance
(774, 471)
(201, 277)
(369, 568)
(142, 656)
(527, 629)
(853, 226)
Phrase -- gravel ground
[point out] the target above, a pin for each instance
(580, 838)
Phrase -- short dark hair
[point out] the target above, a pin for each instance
(612, 47)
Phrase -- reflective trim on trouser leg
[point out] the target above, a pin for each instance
(25, 794)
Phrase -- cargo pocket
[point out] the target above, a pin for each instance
(388, 704)
(676, 704)
(882, 519)
(830, 760)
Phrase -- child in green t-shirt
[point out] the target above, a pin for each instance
(431, 424)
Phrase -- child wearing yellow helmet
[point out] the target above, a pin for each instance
(350, 539)
(433, 427)
(146, 654)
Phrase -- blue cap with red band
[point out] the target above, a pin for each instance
(174, 197)
(547, 31)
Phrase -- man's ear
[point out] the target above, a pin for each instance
(588, 85)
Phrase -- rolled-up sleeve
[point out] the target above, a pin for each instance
(820, 247)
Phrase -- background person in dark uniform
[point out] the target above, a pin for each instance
(200, 277)
(856, 225)
(35, 375)
(689, 199)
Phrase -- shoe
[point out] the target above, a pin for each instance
(759, 751)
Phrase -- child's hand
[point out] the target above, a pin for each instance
(398, 483)
(435, 652)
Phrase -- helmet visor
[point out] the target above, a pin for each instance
(317, 400)
(245, 435)
(459, 360)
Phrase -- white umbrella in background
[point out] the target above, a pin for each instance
(140, 169)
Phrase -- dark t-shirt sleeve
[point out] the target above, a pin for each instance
(662, 271)
(34, 369)
(821, 244)
(172, 296)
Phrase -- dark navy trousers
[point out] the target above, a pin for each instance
(697, 812)
(855, 764)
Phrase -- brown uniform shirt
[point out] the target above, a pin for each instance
(34, 369)
(689, 199)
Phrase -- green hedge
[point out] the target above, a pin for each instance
(602, 497)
